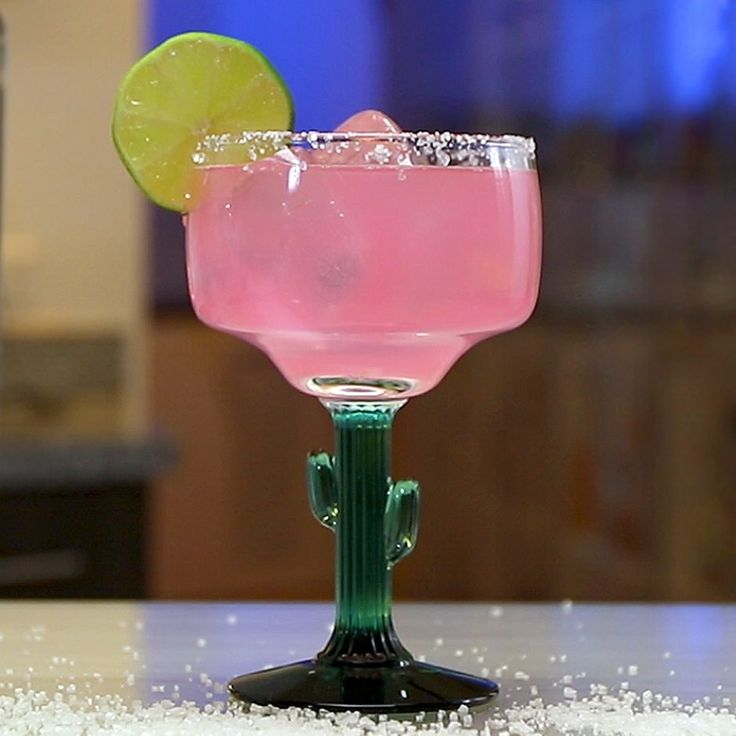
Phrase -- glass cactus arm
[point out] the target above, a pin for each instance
(402, 520)
(322, 488)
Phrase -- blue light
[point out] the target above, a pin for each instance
(579, 57)
(331, 58)
(635, 59)
(620, 62)
(697, 45)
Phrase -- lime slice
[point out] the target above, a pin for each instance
(190, 86)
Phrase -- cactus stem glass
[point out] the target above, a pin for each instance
(364, 665)
(364, 264)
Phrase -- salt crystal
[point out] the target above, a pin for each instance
(442, 157)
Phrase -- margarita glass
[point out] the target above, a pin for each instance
(364, 265)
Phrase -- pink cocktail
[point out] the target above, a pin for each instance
(364, 280)
(364, 264)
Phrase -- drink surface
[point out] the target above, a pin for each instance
(364, 281)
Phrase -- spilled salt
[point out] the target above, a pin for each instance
(31, 713)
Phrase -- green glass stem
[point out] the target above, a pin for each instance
(375, 523)
(363, 666)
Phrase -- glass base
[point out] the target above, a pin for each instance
(406, 688)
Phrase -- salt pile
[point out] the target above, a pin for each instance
(625, 714)
(30, 713)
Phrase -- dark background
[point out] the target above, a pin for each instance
(591, 453)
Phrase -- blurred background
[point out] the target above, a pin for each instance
(590, 455)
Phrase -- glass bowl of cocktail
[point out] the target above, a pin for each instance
(364, 262)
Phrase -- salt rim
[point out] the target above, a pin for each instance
(314, 137)
(441, 148)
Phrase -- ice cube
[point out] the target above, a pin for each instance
(380, 151)
(368, 121)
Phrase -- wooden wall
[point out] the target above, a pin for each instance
(594, 461)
